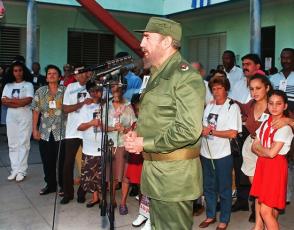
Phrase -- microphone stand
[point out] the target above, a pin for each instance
(106, 150)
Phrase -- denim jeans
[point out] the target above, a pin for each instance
(218, 183)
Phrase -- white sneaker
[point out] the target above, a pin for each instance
(137, 197)
(20, 177)
(139, 221)
(12, 176)
(147, 225)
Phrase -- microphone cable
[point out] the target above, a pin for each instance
(58, 158)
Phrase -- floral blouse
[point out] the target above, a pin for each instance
(51, 112)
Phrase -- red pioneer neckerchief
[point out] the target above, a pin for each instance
(266, 134)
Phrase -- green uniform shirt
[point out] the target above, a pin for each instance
(170, 118)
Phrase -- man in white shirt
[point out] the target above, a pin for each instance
(234, 73)
(73, 139)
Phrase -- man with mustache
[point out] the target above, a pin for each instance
(169, 128)
(251, 64)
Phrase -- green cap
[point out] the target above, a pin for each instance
(164, 27)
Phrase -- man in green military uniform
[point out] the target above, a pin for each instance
(168, 128)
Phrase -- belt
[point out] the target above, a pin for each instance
(177, 155)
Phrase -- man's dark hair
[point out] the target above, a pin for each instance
(231, 53)
(253, 57)
(288, 50)
(36, 63)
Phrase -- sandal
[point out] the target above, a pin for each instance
(206, 223)
(123, 210)
(92, 203)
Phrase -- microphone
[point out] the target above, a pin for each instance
(107, 65)
(90, 68)
(135, 65)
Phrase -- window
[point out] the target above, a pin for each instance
(207, 49)
(86, 48)
(12, 43)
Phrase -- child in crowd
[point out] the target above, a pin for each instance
(270, 179)
(90, 124)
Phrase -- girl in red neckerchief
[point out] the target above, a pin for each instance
(270, 179)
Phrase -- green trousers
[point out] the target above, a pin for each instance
(171, 215)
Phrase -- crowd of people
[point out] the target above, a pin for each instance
(177, 133)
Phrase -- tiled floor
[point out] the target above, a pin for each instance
(22, 208)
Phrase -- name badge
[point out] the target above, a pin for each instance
(35, 80)
(61, 82)
(283, 85)
(263, 117)
(115, 121)
(52, 105)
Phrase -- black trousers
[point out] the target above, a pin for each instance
(241, 180)
(49, 155)
(71, 147)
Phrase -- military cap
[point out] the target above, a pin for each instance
(164, 27)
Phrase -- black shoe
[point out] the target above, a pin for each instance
(240, 206)
(65, 200)
(81, 199)
(46, 190)
(134, 191)
(252, 217)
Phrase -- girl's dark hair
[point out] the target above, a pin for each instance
(52, 67)
(263, 79)
(26, 73)
(219, 80)
(281, 94)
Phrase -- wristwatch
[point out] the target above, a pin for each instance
(210, 132)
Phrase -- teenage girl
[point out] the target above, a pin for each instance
(270, 179)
